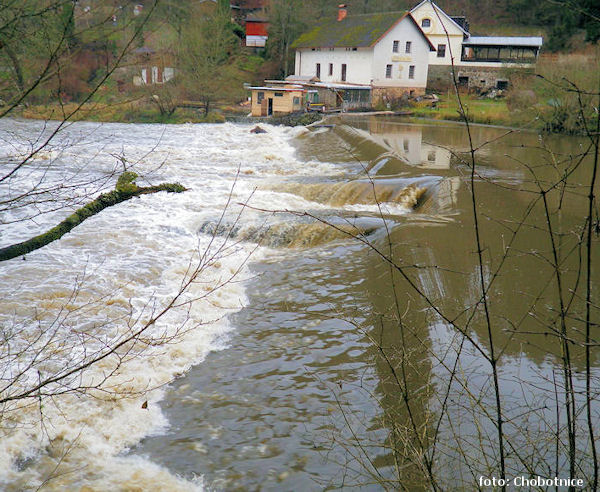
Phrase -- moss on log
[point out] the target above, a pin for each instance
(125, 190)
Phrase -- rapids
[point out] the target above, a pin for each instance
(110, 275)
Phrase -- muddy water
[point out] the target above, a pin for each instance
(283, 406)
(281, 376)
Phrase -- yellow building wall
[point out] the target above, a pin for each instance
(281, 104)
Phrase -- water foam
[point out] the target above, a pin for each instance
(109, 277)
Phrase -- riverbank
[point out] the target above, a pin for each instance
(491, 112)
(477, 109)
(518, 109)
(124, 112)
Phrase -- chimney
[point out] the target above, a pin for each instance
(342, 12)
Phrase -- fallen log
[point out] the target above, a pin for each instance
(124, 190)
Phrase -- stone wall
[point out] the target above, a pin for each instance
(392, 94)
(475, 78)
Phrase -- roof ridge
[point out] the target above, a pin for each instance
(352, 16)
(377, 13)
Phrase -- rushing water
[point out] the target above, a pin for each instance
(269, 373)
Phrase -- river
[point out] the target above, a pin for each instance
(297, 357)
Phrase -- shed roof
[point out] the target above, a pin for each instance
(277, 89)
(356, 31)
(330, 85)
(530, 41)
(312, 81)
(301, 78)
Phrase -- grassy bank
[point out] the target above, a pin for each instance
(478, 110)
(547, 101)
(125, 112)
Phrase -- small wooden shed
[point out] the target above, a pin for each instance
(267, 101)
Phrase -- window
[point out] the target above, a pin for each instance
(426, 23)
(296, 101)
(259, 97)
(411, 72)
(405, 144)
(388, 71)
(279, 94)
(354, 49)
(395, 48)
(441, 51)
(408, 46)
(343, 72)
(318, 70)
(330, 69)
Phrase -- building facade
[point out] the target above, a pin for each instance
(480, 62)
(387, 52)
(443, 31)
(268, 101)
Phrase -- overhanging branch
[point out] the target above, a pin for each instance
(124, 190)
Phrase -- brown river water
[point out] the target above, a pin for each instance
(354, 340)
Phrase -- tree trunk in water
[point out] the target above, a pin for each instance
(123, 192)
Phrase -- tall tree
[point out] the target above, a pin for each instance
(286, 23)
(206, 47)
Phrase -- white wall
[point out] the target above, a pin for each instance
(419, 54)
(358, 64)
(368, 65)
(257, 41)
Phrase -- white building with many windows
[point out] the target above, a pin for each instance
(387, 52)
(480, 62)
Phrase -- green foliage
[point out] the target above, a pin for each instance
(563, 110)
(286, 23)
(561, 18)
(591, 16)
(207, 47)
(251, 63)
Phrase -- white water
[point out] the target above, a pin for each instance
(66, 303)
(108, 276)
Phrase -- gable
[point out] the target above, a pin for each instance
(440, 21)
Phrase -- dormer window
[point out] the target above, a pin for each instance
(426, 23)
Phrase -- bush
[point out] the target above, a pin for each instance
(520, 99)
(211, 117)
(295, 119)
